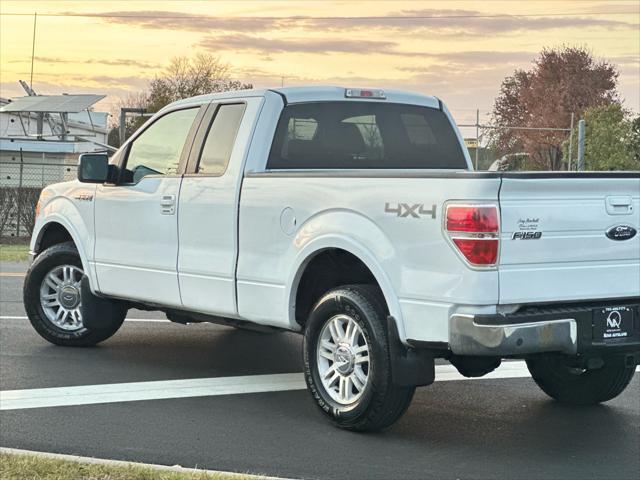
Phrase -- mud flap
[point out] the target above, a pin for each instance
(409, 366)
(99, 313)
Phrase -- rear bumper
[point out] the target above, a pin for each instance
(567, 329)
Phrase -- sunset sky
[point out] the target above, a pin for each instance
(461, 55)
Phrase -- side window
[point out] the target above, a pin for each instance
(221, 137)
(157, 150)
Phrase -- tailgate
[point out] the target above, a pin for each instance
(554, 242)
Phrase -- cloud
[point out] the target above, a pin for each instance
(432, 20)
(264, 45)
(630, 59)
(171, 20)
(67, 82)
(111, 81)
(472, 22)
(306, 45)
(125, 62)
(477, 59)
(608, 7)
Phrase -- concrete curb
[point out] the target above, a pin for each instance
(122, 463)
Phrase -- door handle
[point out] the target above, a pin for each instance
(168, 204)
(619, 204)
(168, 200)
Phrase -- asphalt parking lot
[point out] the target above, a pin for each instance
(488, 428)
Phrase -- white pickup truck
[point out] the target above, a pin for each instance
(351, 216)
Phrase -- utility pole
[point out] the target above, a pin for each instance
(570, 143)
(581, 126)
(33, 48)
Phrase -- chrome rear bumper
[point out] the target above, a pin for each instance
(469, 337)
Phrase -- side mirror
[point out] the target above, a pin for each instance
(93, 168)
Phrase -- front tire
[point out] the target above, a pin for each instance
(347, 361)
(52, 299)
(577, 386)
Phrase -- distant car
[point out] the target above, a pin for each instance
(351, 216)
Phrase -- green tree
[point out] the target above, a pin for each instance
(610, 139)
(562, 81)
(634, 143)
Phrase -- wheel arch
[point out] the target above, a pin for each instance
(56, 229)
(51, 233)
(339, 243)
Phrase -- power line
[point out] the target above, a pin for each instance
(302, 18)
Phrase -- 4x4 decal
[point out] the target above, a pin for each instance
(415, 210)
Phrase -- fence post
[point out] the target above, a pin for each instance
(19, 203)
(122, 132)
(477, 135)
(581, 126)
(570, 143)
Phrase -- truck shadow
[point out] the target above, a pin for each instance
(490, 418)
(211, 351)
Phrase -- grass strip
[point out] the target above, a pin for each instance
(36, 467)
(14, 253)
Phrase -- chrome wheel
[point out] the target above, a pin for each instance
(60, 297)
(343, 359)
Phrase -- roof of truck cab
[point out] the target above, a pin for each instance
(315, 94)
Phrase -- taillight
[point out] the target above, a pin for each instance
(475, 230)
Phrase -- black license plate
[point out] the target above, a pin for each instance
(611, 323)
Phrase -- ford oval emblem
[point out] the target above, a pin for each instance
(621, 232)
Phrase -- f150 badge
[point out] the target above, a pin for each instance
(528, 229)
(415, 210)
(526, 235)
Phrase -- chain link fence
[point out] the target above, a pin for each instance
(20, 185)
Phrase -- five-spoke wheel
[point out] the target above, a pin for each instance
(347, 360)
(343, 359)
(53, 300)
(60, 296)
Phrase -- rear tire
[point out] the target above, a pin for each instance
(51, 296)
(347, 361)
(577, 386)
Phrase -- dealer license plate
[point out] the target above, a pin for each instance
(612, 322)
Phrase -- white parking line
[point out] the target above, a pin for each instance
(195, 387)
(130, 392)
(151, 320)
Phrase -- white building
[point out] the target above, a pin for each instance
(41, 137)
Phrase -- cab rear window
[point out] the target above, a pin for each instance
(361, 135)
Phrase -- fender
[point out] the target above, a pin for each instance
(364, 240)
(63, 211)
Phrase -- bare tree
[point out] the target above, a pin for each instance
(184, 77)
(7, 207)
(26, 200)
(132, 100)
(187, 77)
